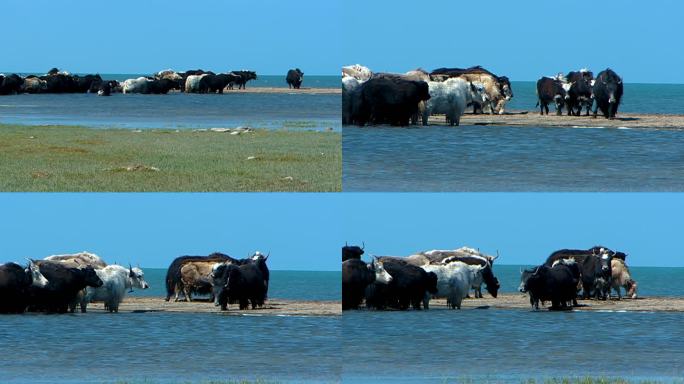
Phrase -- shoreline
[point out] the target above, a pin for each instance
(521, 302)
(280, 90)
(533, 119)
(286, 307)
(272, 307)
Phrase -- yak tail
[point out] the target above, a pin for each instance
(537, 104)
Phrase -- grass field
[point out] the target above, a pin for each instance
(65, 158)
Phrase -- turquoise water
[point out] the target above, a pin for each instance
(293, 285)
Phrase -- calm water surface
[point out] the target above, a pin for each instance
(167, 348)
(499, 158)
(178, 347)
(508, 346)
(511, 346)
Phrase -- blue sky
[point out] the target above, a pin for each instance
(525, 228)
(300, 230)
(132, 36)
(521, 39)
(524, 39)
(305, 231)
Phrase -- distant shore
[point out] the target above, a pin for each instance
(273, 307)
(533, 119)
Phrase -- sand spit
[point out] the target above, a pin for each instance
(282, 90)
(273, 307)
(522, 302)
(533, 119)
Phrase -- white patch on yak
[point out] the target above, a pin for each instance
(38, 279)
(381, 275)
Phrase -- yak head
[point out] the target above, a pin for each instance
(478, 92)
(605, 259)
(352, 251)
(37, 278)
(381, 275)
(491, 282)
(137, 278)
(91, 278)
(258, 256)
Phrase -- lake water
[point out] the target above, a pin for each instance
(178, 347)
(500, 158)
(167, 348)
(510, 346)
(294, 111)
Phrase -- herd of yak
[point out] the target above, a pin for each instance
(401, 99)
(61, 283)
(193, 81)
(225, 279)
(390, 282)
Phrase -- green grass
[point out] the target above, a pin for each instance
(65, 158)
(229, 381)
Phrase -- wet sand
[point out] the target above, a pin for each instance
(533, 119)
(273, 307)
(522, 302)
(281, 307)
